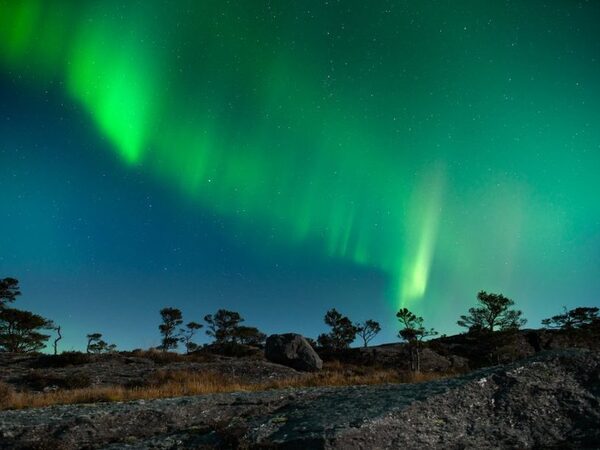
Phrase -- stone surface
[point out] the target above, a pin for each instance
(432, 362)
(118, 370)
(463, 352)
(292, 350)
(548, 401)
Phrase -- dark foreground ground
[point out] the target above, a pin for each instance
(551, 400)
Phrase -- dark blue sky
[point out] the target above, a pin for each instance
(282, 161)
(100, 247)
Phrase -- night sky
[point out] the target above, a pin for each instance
(280, 158)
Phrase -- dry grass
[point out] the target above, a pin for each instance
(166, 384)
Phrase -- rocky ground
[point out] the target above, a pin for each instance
(40, 372)
(551, 400)
(464, 352)
(446, 355)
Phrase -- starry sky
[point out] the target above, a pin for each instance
(280, 158)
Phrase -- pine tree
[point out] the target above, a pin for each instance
(493, 314)
(171, 319)
(413, 331)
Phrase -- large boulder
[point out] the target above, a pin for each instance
(294, 351)
(434, 362)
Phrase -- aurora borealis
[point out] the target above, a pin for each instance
(281, 158)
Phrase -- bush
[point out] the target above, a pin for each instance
(163, 358)
(6, 394)
(76, 381)
(156, 356)
(63, 360)
(39, 381)
(232, 349)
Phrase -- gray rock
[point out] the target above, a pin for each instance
(120, 370)
(458, 362)
(294, 351)
(548, 401)
(433, 362)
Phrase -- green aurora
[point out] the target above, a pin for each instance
(411, 138)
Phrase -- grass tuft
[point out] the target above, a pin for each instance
(165, 384)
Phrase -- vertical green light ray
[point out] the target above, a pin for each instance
(33, 37)
(422, 238)
(18, 22)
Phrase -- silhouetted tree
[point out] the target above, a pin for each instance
(21, 331)
(223, 325)
(342, 334)
(413, 331)
(92, 338)
(311, 341)
(250, 336)
(9, 291)
(187, 334)
(58, 337)
(98, 345)
(368, 330)
(171, 319)
(326, 341)
(493, 313)
(580, 317)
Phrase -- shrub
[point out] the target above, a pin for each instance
(232, 349)
(157, 357)
(63, 360)
(38, 380)
(6, 395)
(577, 318)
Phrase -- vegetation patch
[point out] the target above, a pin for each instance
(178, 383)
(39, 381)
(61, 360)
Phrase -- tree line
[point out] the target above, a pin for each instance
(224, 327)
(24, 331)
(493, 313)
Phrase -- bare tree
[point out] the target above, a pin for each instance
(368, 330)
(187, 334)
(58, 338)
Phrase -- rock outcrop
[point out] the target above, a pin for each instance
(468, 351)
(33, 372)
(294, 351)
(549, 401)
